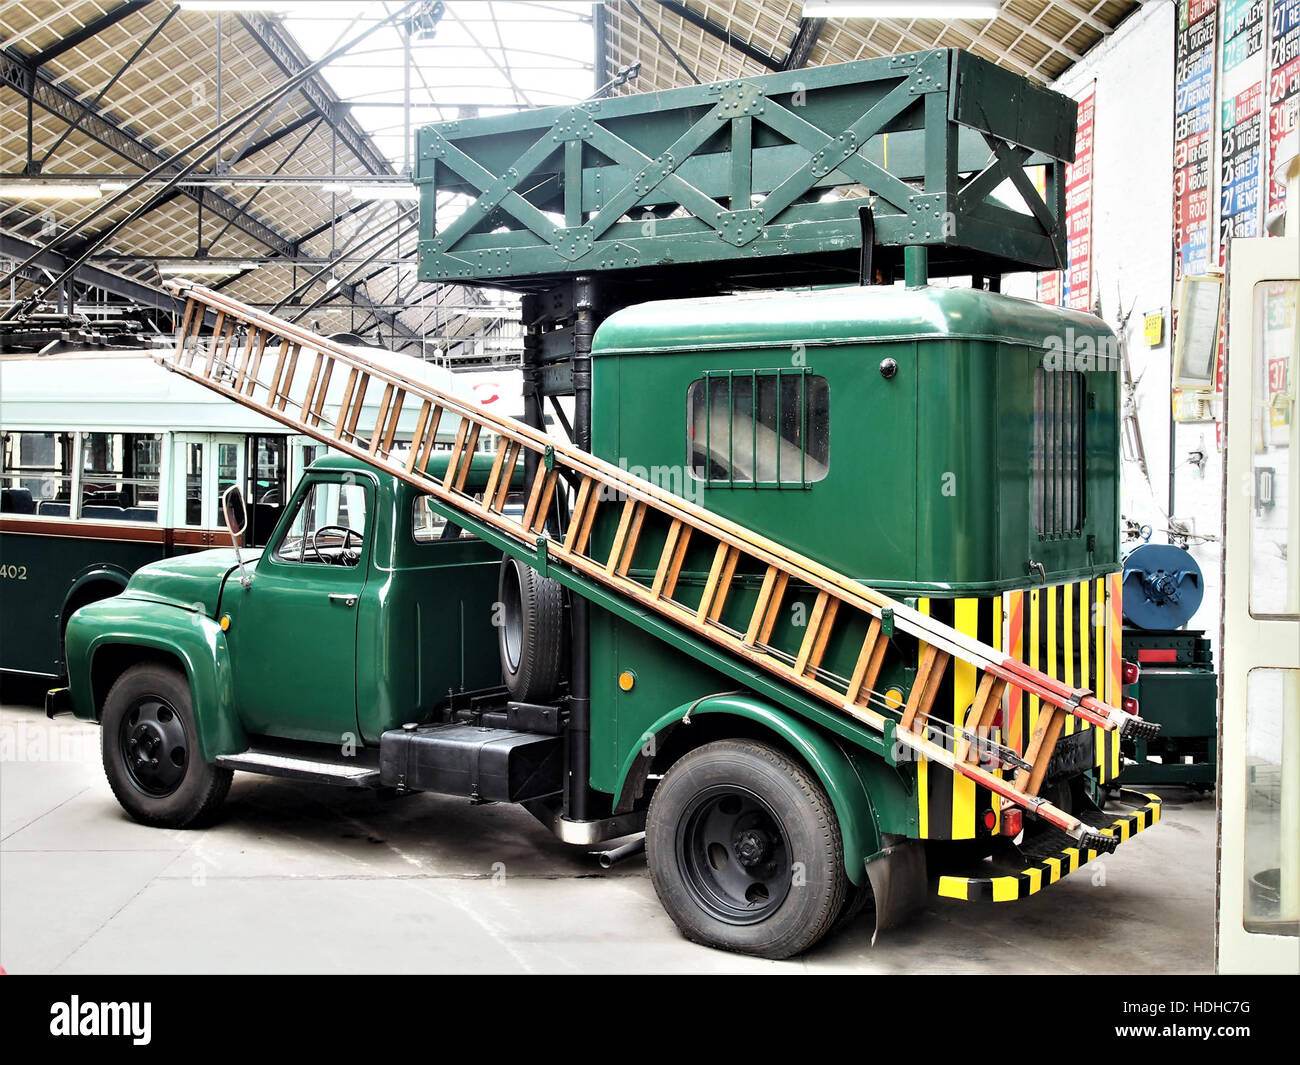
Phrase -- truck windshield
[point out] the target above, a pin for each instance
(328, 527)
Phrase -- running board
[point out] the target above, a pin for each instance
(272, 764)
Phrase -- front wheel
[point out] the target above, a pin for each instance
(745, 850)
(151, 752)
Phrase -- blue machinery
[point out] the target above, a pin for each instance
(1177, 685)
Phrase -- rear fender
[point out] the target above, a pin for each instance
(843, 773)
(124, 628)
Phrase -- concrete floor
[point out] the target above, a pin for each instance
(307, 879)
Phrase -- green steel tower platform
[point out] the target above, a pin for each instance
(755, 183)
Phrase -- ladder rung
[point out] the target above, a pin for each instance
(867, 668)
(340, 423)
(467, 456)
(183, 335)
(670, 562)
(489, 493)
(720, 556)
(760, 607)
(507, 475)
(584, 506)
(250, 342)
(629, 527)
(1042, 744)
(929, 675)
(773, 607)
(431, 438)
(311, 385)
(381, 419)
(823, 611)
(322, 390)
(218, 328)
(823, 635)
(535, 496)
(417, 440)
(286, 381)
(457, 450)
(358, 401)
(255, 365)
(980, 717)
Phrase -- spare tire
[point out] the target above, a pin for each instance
(531, 631)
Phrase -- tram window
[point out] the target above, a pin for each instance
(268, 485)
(36, 475)
(194, 484)
(119, 476)
(1057, 472)
(759, 427)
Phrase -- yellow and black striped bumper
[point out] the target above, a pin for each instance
(1043, 870)
(1070, 631)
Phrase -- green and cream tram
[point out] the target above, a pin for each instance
(108, 462)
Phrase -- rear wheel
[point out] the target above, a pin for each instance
(151, 753)
(745, 850)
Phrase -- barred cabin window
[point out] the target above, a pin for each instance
(750, 428)
(1057, 459)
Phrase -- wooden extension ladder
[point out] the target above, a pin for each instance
(284, 372)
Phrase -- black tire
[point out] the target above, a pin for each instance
(151, 753)
(856, 899)
(531, 634)
(726, 827)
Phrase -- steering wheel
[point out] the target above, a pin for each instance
(347, 543)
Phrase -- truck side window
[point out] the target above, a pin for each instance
(759, 427)
(1057, 458)
(328, 528)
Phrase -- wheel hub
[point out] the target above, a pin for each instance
(735, 855)
(752, 847)
(154, 747)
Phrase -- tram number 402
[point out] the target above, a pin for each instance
(13, 573)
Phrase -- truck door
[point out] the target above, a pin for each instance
(293, 633)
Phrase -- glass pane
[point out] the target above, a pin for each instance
(194, 484)
(329, 526)
(36, 477)
(119, 476)
(765, 427)
(1275, 434)
(1272, 889)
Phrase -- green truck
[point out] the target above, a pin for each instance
(938, 464)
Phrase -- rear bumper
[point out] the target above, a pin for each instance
(1051, 857)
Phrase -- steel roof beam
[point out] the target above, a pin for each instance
(31, 83)
(280, 47)
(721, 33)
(19, 248)
(95, 26)
(805, 39)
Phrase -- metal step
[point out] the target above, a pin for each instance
(274, 764)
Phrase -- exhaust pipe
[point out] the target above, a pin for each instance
(617, 854)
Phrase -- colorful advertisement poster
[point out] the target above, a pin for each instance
(1194, 50)
(1073, 288)
(1283, 86)
(1241, 120)
(1078, 210)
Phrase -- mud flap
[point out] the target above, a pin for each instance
(898, 883)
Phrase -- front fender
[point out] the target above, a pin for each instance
(841, 773)
(99, 573)
(123, 623)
